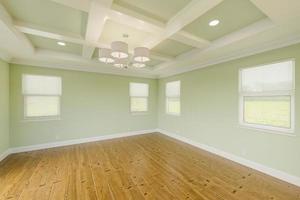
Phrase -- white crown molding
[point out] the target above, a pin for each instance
(76, 141)
(81, 67)
(248, 163)
(97, 16)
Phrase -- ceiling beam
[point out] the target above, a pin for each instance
(32, 29)
(96, 21)
(136, 20)
(190, 39)
(68, 37)
(185, 16)
(14, 35)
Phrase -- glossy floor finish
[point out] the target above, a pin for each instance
(151, 166)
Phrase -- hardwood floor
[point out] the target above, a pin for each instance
(151, 166)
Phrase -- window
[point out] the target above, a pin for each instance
(267, 97)
(139, 97)
(41, 96)
(173, 98)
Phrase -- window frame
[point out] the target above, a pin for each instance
(268, 128)
(40, 118)
(145, 97)
(175, 97)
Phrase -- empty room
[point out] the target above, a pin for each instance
(149, 99)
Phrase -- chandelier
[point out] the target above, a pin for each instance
(118, 55)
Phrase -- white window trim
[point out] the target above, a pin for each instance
(265, 128)
(172, 97)
(147, 97)
(139, 112)
(40, 118)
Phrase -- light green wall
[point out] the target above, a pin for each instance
(209, 106)
(92, 105)
(4, 106)
(97, 104)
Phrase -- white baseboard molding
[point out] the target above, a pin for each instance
(76, 141)
(5, 154)
(251, 164)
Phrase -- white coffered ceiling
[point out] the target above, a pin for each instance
(176, 31)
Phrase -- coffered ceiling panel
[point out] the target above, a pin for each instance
(50, 44)
(232, 14)
(171, 48)
(161, 10)
(115, 32)
(48, 14)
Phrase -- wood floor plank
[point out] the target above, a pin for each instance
(150, 167)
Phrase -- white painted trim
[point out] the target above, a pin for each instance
(251, 164)
(5, 154)
(260, 127)
(72, 66)
(77, 141)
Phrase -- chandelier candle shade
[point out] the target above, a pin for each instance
(118, 55)
(141, 54)
(105, 56)
(119, 49)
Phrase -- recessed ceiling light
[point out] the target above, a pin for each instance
(61, 43)
(214, 22)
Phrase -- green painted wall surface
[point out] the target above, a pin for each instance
(4, 106)
(92, 105)
(209, 113)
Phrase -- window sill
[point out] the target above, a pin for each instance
(266, 130)
(139, 113)
(41, 119)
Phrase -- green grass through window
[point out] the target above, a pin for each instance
(270, 111)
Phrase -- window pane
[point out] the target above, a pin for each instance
(173, 89)
(139, 104)
(42, 106)
(173, 106)
(41, 85)
(271, 111)
(277, 76)
(139, 89)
